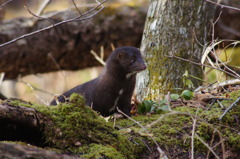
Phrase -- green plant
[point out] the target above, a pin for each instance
(187, 95)
(149, 106)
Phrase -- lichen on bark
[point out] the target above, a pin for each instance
(172, 28)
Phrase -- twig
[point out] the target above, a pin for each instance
(98, 58)
(5, 3)
(223, 6)
(230, 107)
(192, 137)
(113, 47)
(161, 152)
(227, 83)
(29, 85)
(1, 77)
(191, 115)
(35, 88)
(204, 143)
(73, 1)
(220, 103)
(42, 7)
(214, 23)
(193, 134)
(59, 68)
(146, 145)
(199, 64)
(211, 142)
(57, 24)
(37, 16)
(40, 10)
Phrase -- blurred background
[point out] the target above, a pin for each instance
(40, 88)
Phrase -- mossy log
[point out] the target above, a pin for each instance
(69, 127)
(19, 123)
(75, 129)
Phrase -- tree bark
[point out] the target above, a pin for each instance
(20, 123)
(67, 46)
(172, 28)
(17, 151)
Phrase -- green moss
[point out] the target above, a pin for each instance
(173, 132)
(74, 125)
(101, 151)
(79, 130)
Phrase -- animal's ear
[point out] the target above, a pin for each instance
(121, 54)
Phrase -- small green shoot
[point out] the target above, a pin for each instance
(186, 81)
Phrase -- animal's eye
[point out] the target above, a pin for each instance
(132, 61)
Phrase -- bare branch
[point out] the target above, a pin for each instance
(36, 15)
(205, 144)
(73, 1)
(42, 7)
(162, 153)
(5, 3)
(196, 117)
(230, 107)
(100, 7)
(33, 87)
(223, 6)
(214, 23)
(234, 74)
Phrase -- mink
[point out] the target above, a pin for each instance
(114, 86)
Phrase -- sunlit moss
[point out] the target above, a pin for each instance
(75, 125)
(79, 130)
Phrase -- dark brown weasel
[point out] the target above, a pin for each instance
(114, 87)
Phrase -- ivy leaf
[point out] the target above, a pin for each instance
(189, 83)
(148, 105)
(163, 102)
(141, 108)
(187, 95)
(174, 96)
(166, 108)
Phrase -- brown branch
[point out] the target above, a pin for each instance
(73, 1)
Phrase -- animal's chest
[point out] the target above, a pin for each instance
(109, 97)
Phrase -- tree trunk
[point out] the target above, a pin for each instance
(173, 28)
